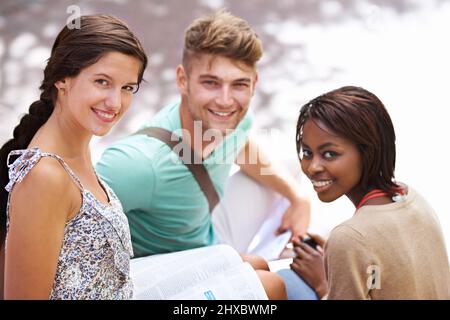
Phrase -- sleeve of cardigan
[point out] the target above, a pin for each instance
(349, 265)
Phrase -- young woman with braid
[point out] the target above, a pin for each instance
(66, 234)
(393, 246)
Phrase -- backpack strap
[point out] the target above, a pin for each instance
(193, 163)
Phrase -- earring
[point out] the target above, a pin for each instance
(63, 91)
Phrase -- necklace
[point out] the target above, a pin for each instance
(376, 193)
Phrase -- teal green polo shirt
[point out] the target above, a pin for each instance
(166, 209)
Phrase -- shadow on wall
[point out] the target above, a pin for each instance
(29, 28)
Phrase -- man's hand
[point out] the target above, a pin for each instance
(296, 218)
(309, 265)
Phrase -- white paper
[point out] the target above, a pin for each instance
(266, 243)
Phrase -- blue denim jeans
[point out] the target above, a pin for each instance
(296, 287)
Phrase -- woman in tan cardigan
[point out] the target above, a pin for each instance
(393, 246)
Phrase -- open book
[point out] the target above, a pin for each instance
(210, 273)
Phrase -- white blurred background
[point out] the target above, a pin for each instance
(397, 49)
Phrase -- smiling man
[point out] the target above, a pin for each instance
(166, 207)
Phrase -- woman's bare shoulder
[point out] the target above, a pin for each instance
(48, 185)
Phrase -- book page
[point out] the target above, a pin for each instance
(266, 243)
(277, 265)
(238, 283)
(165, 275)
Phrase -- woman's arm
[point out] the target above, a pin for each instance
(347, 259)
(39, 208)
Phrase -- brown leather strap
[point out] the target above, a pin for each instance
(191, 161)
